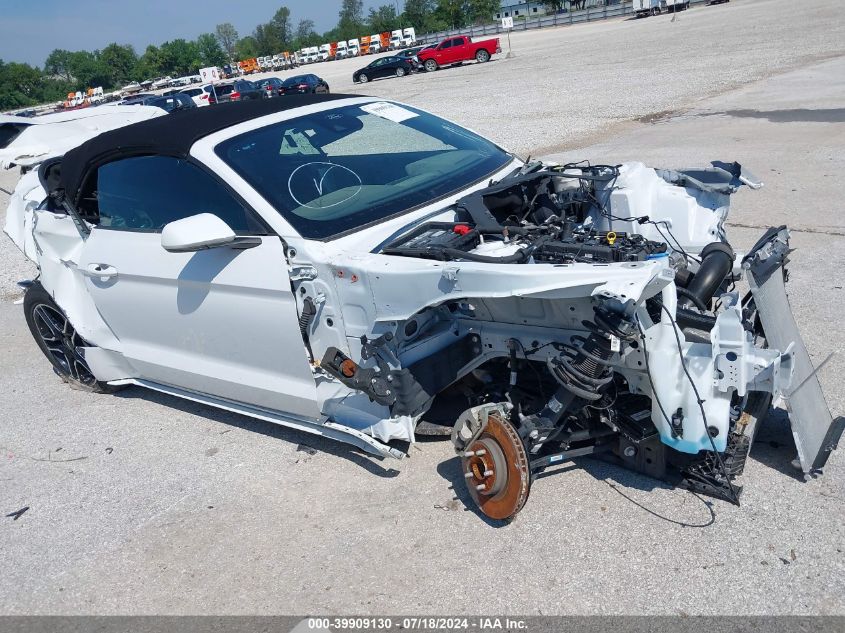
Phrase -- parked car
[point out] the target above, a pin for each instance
(238, 90)
(454, 50)
(198, 95)
(411, 53)
(271, 85)
(372, 264)
(394, 66)
(303, 84)
(171, 103)
(137, 99)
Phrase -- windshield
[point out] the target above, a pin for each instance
(332, 172)
(290, 81)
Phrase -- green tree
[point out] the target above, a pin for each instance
(210, 52)
(227, 35)
(19, 85)
(120, 62)
(383, 18)
(179, 57)
(245, 48)
(481, 11)
(281, 26)
(305, 35)
(58, 64)
(88, 70)
(150, 64)
(420, 14)
(267, 40)
(350, 19)
(450, 13)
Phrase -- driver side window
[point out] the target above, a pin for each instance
(146, 192)
(446, 44)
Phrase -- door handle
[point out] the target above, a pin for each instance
(102, 271)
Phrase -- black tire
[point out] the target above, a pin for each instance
(482, 56)
(363, 78)
(57, 339)
(430, 65)
(400, 72)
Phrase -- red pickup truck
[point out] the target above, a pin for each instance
(454, 50)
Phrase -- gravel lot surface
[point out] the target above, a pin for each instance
(141, 503)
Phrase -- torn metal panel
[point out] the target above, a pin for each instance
(815, 431)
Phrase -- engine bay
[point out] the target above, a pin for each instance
(640, 349)
(540, 216)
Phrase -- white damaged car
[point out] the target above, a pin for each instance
(355, 268)
(27, 141)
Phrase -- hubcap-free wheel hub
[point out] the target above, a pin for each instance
(62, 343)
(496, 470)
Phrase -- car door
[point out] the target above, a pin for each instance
(441, 53)
(456, 51)
(380, 68)
(220, 321)
(246, 90)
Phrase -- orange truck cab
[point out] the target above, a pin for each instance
(248, 66)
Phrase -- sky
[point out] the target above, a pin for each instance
(31, 29)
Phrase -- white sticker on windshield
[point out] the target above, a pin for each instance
(389, 111)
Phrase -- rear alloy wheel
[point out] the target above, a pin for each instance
(400, 72)
(59, 341)
(363, 78)
(430, 65)
(482, 56)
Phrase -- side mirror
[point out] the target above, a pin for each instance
(200, 232)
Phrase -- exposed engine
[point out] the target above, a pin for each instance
(639, 348)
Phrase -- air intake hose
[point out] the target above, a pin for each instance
(717, 260)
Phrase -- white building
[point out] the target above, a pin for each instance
(520, 9)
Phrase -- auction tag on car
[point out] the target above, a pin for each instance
(389, 111)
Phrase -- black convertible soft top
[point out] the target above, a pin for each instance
(170, 134)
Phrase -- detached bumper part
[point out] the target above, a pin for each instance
(815, 431)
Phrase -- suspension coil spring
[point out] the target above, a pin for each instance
(584, 366)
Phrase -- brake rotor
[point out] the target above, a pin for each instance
(497, 471)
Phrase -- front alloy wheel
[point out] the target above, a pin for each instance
(430, 65)
(363, 78)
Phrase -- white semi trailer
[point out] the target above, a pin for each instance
(643, 8)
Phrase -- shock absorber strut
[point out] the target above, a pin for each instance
(582, 369)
